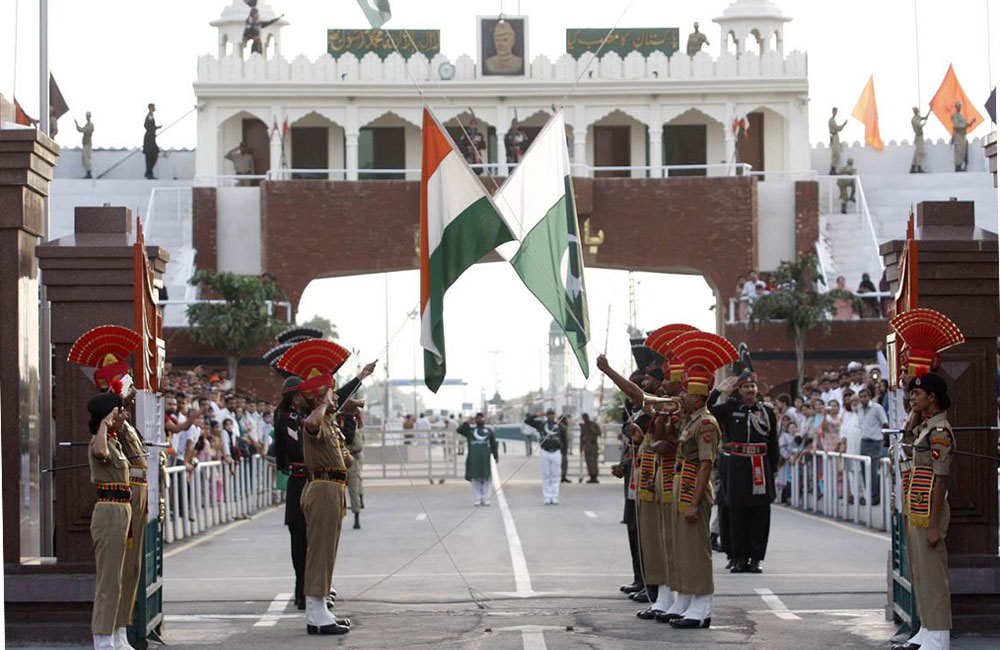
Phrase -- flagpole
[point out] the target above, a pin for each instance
(989, 53)
(46, 424)
(916, 44)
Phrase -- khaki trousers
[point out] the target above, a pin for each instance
(929, 574)
(355, 488)
(323, 507)
(692, 548)
(108, 528)
(132, 565)
(651, 547)
(590, 456)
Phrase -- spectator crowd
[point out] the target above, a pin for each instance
(206, 420)
(842, 410)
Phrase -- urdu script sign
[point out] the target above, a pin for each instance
(623, 40)
(360, 42)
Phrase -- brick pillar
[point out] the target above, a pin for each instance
(204, 227)
(957, 275)
(27, 158)
(90, 282)
(806, 217)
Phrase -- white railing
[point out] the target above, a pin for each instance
(227, 180)
(786, 175)
(830, 196)
(271, 304)
(733, 316)
(163, 198)
(216, 493)
(845, 490)
(863, 206)
(495, 168)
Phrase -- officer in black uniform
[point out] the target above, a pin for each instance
(747, 462)
(289, 458)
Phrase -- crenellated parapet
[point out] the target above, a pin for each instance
(372, 69)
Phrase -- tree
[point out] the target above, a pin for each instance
(242, 322)
(797, 302)
(322, 324)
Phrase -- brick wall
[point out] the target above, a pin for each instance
(316, 229)
(204, 228)
(806, 217)
(774, 354)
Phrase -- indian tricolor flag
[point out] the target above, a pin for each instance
(458, 225)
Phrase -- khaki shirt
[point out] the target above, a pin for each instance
(933, 444)
(113, 469)
(325, 448)
(699, 440)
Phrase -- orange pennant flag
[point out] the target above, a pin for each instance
(867, 112)
(943, 103)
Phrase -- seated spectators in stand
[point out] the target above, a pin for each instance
(869, 306)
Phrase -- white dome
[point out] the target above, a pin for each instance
(752, 9)
(238, 10)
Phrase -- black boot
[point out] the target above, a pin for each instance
(357, 520)
(714, 537)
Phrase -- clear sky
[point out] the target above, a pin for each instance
(114, 56)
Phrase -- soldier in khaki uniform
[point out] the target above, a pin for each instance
(106, 349)
(590, 439)
(135, 450)
(324, 500)
(109, 523)
(927, 513)
(924, 465)
(697, 447)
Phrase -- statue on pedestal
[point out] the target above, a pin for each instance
(960, 146)
(919, 154)
(695, 40)
(86, 145)
(835, 148)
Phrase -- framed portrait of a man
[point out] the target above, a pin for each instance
(503, 46)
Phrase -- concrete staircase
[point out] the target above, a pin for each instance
(891, 195)
(165, 208)
(846, 245)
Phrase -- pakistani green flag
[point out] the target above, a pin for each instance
(537, 203)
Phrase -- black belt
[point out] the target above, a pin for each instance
(745, 448)
(325, 474)
(114, 492)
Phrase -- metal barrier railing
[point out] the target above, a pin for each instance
(835, 485)
(215, 493)
(412, 453)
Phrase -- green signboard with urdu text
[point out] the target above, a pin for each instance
(622, 40)
(360, 42)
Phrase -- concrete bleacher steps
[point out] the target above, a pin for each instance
(845, 241)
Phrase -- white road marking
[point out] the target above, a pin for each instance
(533, 640)
(422, 516)
(777, 607)
(522, 579)
(274, 611)
(221, 617)
(590, 513)
(830, 612)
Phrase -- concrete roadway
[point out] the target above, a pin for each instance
(547, 578)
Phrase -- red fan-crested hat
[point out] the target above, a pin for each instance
(106, 349)
(927, 333)
(702, 353)
(314, 361)
(661, 341)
